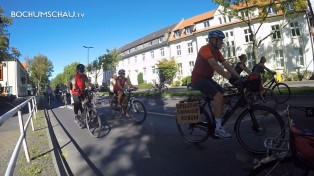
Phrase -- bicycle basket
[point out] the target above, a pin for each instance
(188, 112)
(254, 82)
(302, 136)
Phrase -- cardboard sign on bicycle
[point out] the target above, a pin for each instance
(188, 112)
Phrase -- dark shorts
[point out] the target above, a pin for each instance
(208, 87)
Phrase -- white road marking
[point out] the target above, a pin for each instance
(169, 115)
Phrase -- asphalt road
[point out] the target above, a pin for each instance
(152, 148)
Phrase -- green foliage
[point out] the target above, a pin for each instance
(176, 83)
(169, 67)
(185, 80)
(65, 76)
(307, 74)
(267, 76)
(140, 78)
(145, 85)
(110, 60)
(40, 69)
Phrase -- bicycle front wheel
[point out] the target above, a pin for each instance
(281, 92)
(196, 132)
(255, 124)
(280, 167)
(137, 111)
(93, 122)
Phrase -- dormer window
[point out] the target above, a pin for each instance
(188, 30)
(271, 10)
(206, 24)
(290, 7)
(244, 14)
(177, 33)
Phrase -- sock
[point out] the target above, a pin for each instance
(218, 122)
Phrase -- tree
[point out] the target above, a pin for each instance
(96, 68)
(65, 76)
(40, 69)
(6, 53)
(110, 60)
(244, 10)
(169, 67)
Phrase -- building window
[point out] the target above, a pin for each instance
(226, 34)
(1, 72)
(220, 21)
(250, 61)
(248, 35)
(178, 50)
(244, 14)
(191, 63)
(153, 69)
(162, 51)
(128, 61)
(177, 33)
(160, 39)
(143, 57)
(230, 50)
(271, 10)
(144, 71)
(294, 29)
(206, 24)
(276, 32)
(180, 72)
(152, 54)
(229, 18)
(135, 59)
(188, 30)
(190, 47)
(279, 58)
(298, 54)
(225, 20)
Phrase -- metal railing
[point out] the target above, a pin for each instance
(32, 109)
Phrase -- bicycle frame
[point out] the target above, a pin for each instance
(270, 83)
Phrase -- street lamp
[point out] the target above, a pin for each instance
(88, 47)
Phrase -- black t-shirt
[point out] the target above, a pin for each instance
(237, 68)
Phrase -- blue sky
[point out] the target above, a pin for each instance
(106, 24)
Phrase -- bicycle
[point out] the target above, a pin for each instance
(279, 92)
(64, 97)
(130, 107)
(293, 155)
(253, 125)
(88, 115)
(163, 88)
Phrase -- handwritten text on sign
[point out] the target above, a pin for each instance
(188, 112)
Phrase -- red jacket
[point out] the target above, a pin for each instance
(80, 81)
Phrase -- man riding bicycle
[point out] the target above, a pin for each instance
(78, 84)
(205, 66)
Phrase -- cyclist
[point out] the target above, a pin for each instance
(240, 66)
(260, 68)
(120, 85)
(205, 66)
(49, 93)
(78, 84)
(57, 92)
(162, 79)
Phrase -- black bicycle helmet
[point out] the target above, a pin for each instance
(121, 71)
(80, 68)
(216, 34)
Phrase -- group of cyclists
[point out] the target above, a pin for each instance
(207, 63)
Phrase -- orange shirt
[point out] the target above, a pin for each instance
(202, 69)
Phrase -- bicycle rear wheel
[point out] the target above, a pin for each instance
(196, 132)
(137, 111)
(281, 92)
(93, 122)
(280, 167)
(255, 124)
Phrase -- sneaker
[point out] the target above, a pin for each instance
(76, 119)
(221, 133)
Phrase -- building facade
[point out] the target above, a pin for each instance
(13, 78)
(286, 43)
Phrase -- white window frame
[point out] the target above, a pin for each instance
(177, 33)
(250, 62)
(191, 64)
(178, 50)
(295, 31)
(279, 59)
(248, 35)
(143, 56)
(299, 59)
(271, 10)
(276, 32)
(152, 55)
(190, 47)
(180, 70)
(188, 30)
(135, 59)
(206, 24)
(144, 70)
(153, 69)
(162, 51)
